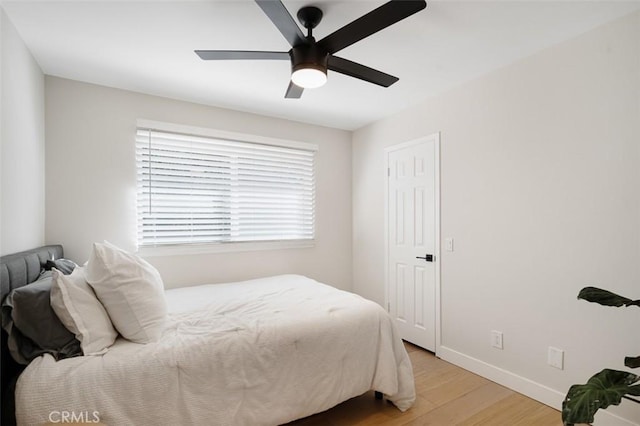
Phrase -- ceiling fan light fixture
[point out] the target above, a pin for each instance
(308, 66)
(309, 77)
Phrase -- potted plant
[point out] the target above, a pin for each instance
(607, 387)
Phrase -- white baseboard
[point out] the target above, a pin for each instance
(534, 390)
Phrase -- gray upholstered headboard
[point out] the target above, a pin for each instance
(17, 270)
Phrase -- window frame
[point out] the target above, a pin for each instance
(232, 246)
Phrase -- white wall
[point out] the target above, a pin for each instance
(540, 188)
(22, 145)
(91, 183)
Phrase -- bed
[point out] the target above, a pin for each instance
(17, 270)
(259, 352)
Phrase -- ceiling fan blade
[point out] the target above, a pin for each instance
(293, 91)
(353, 69)
(374, 21)
(281, 18)
(208, 55)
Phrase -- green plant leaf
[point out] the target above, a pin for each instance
(632, 362)
(605, 298)
(602, 390)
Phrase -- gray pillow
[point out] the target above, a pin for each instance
(65, 266)
(32, 325)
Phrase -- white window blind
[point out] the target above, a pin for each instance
(199, 190)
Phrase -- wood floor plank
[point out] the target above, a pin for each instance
(460, 408)
(398, 418)
(515, 410)
(446, 395)
(421, 361)
(450, 386)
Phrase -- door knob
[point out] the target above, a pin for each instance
(427, 257)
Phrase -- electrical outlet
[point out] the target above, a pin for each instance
(496, 339)
(555, 358)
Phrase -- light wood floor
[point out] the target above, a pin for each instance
(446, 396)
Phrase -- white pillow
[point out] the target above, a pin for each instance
(131, 291)
(81, 312)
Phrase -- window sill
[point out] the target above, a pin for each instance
(187, 249)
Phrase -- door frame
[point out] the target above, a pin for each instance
(435, 137)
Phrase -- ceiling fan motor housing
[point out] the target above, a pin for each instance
(309, 56)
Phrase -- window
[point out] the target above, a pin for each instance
(202, 190)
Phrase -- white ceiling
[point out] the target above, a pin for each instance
(147, 46)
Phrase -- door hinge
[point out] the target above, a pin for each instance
(388, 306)
(388, 171)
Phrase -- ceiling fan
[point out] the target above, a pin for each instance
(310, 59)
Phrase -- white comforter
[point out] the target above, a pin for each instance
(260, 352)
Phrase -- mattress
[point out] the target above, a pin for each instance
(259, 352)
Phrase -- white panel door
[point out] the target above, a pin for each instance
(411, 236)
